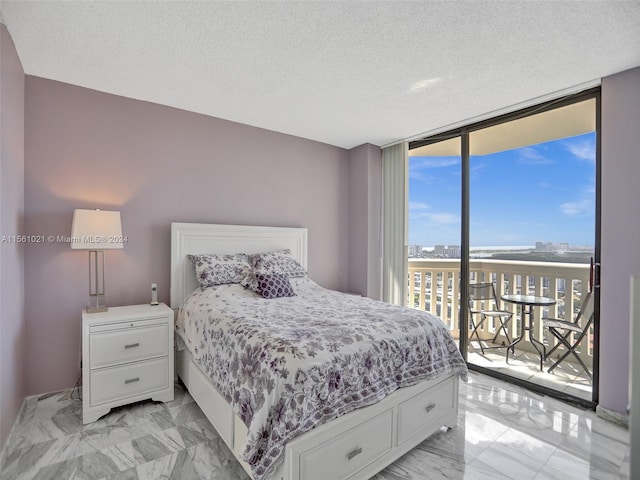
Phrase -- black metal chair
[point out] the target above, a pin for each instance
(570, 333)
(483, 304)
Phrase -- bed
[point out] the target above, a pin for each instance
(328, 410)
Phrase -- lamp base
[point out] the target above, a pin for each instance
(97, 309)
(97, 302)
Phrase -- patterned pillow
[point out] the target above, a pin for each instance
(279, 261)
(251, 282)
(217, 269)
(276, 285)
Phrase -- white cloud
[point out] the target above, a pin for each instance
(580, 207)
(477, 167)
(418, 206)
(582, 150)
(420, 163)
(438, 218)
(444, 218)
(530, 156)
(418, 166)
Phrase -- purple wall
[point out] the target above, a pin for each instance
(157, 165)
(620, 230)
(365, 228)
(12, 316)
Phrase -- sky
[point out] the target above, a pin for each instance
(543, 192)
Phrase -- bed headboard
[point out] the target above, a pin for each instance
(199, 238)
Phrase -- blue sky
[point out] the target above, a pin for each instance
(544, 192)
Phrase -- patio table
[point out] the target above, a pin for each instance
(527, 302)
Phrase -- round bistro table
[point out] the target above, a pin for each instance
(527, 302)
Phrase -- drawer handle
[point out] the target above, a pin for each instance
(430, 407)
(131, 345)
(132, 380)
(354, 453)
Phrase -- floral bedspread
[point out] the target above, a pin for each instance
(289, 364)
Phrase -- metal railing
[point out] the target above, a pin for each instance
(434, 286)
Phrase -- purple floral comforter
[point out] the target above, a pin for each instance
(286, 365)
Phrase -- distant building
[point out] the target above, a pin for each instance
(544, 246)
(415, 250)
(447, 251)
(453, 251)
(552, 247)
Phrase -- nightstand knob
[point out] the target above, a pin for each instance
(131, 345)
(132, 380)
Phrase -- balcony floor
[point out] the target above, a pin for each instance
(567, 377)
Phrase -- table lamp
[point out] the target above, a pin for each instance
(96, 231)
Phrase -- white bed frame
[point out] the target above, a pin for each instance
(355, 446)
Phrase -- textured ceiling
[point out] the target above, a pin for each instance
(343, 73)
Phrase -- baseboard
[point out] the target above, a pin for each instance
(613, 417)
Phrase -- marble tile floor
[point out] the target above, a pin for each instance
(568, 377)
(503, 432)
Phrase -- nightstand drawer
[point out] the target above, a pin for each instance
(128, 345)
(128, 380)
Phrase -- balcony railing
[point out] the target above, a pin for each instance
(434, 286)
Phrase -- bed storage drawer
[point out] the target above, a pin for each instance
(424, 410)
(349, 452)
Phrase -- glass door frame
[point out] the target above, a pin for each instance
(464, 133)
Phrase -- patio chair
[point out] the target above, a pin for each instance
(483, 304)
(570, 333)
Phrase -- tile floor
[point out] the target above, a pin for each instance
(503, 432)
(568, 377)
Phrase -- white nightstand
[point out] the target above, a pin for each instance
(127, 356)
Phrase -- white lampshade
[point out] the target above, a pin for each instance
(96, 230)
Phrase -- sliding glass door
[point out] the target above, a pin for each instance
(503, 218)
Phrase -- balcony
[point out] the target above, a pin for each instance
(434, 287)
